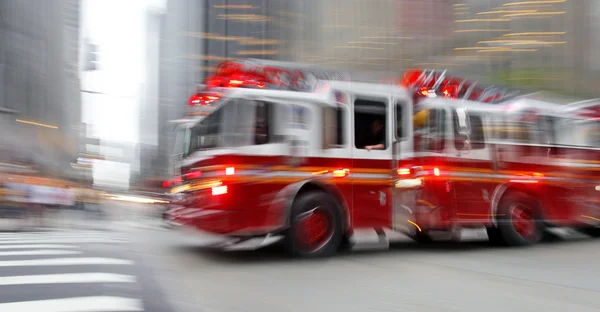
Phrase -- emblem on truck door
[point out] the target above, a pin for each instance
(485, 195)
(382, 198)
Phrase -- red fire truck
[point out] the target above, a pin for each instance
(341, 160)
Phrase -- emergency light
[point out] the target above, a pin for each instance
(203, 99)
(437, 83)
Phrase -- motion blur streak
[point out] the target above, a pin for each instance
(137, 135)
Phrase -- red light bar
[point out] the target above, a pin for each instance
(203, 99)
(427, 83)
(193, 175)
(252, 74)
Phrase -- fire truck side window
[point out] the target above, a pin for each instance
(545, 130)
(477, 135)
(262, 129)
(240, 122)
(333, 127)
(584, 133)
(370, 124)
(205, 134)
(468, 127)
(430, 130)
(594, 134)
(400, 123)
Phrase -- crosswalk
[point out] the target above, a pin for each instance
(67, 271)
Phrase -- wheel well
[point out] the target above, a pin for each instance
(335, 194)
(530, 193)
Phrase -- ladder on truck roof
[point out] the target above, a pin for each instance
(424, 82)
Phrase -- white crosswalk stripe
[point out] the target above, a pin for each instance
(36, 246)
(39, 252)
(56, 236)
(148, 223)
(63, 261)
(79, 304)
(66, 261)
(67, 279)
(58, 232)
(67, 240)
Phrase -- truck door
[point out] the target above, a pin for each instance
(472, 185)
(371, 162)
(419, 192)
(404, 190)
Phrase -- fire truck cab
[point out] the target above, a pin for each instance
(268, 165)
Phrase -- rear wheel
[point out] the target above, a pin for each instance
(519, 222)
(316, 227)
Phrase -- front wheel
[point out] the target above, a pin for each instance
(520, 221)
(316, 226)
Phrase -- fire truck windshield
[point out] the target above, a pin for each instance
(182, 139)
(236, 122)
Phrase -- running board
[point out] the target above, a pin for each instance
(371, 238)
(251, 243)
(375, 238)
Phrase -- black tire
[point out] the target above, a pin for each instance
(495, 237)
(590, 231)
(306, 205)
(422, 237)
(508, 224)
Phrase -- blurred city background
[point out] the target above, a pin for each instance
(87, 87)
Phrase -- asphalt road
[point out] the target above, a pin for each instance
(465, 276)
(73, 270)
(140, 266)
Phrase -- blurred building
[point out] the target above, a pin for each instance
(148, 151)
(383, 36)
(39, 83)
(120, 77)
(197, 35)
(542, 44)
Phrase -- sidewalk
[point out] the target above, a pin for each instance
(115, 216)
(63, 220)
